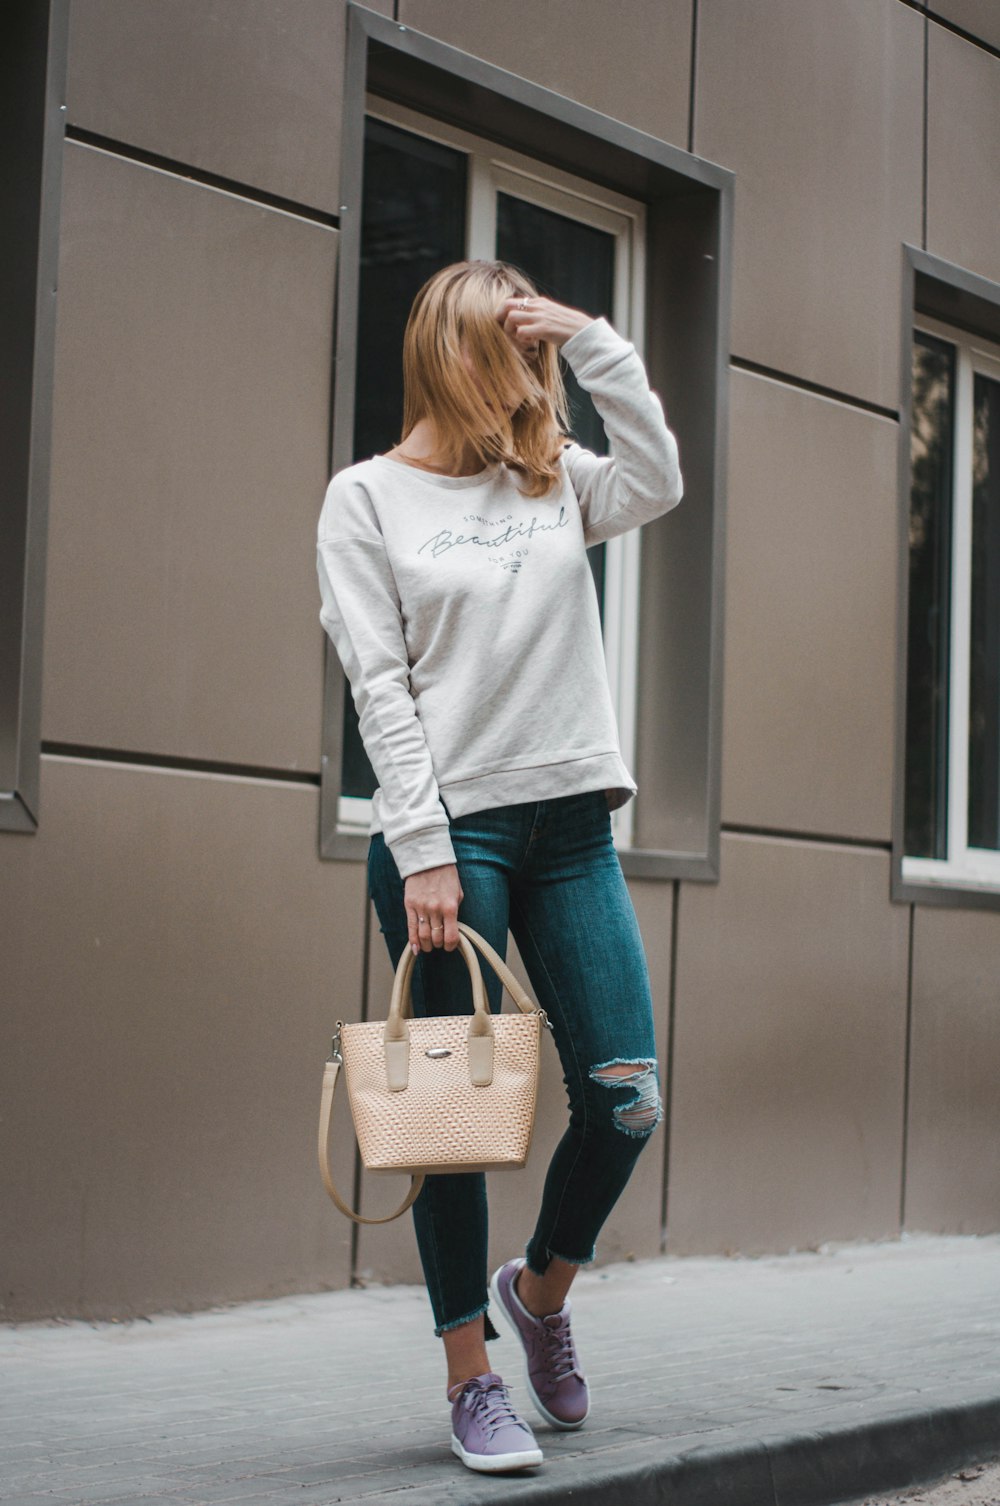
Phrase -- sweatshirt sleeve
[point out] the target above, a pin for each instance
(361, 613)
(641, 477)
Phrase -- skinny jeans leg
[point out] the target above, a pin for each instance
(576, 930)
(549, 871)
(450, 1215)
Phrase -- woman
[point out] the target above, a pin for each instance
(456, 590)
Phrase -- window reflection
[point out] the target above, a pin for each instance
(926, 798)
(984, 644)
(412, 223)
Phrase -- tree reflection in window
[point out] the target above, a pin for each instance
(928, 645)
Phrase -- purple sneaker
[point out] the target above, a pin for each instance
(486, 1432)
(556, 1383)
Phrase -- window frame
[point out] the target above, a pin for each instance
(976, 867)
(493, 169)
(953, 304)
(689, 207)
(34, 73)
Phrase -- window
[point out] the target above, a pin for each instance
(464, 158)
(432, 195)
(952, 763)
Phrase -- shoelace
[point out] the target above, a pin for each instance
(494, 1403)
(560, 1355)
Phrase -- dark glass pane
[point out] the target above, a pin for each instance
(412, 223)
(984, 666)
(931, 441)
(574, 264)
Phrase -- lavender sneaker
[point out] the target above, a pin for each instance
(556, 1383)
(486, 1432)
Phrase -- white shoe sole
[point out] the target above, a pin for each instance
(489, 1464)
(565, 1427)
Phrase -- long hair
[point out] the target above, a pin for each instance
(457, 308)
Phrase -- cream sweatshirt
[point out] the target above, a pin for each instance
(466, 618)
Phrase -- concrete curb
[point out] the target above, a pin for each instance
(828, 1466)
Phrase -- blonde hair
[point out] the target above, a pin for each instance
(457, 308)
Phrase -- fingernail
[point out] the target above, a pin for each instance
(415, 948)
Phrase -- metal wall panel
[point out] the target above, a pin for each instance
(789, 1049)
(809, 682)
(189, 465)
(821, 120)
(953, 1143)
(177, 949)
(248, 89)
(981, 18)
(633, 1228)
(963, 160)
(169, 956)
(636, 68)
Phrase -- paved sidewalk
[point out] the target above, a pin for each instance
(795, 1379)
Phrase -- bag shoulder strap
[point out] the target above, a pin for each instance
(330, 1073)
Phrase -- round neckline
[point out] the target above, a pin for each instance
(435, 480)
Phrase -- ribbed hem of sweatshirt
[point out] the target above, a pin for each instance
(432, 848)
(602, 771)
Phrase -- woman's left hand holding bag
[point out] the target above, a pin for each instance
(432, 898)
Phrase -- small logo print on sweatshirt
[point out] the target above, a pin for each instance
(511, 562)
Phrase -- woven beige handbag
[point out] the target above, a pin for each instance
(444, 1093)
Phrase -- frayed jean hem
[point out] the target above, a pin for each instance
(554, 1254)
(459, 1321)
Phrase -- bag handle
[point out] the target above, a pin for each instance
(396, 1035)
(401, 1003)
(523, 1000)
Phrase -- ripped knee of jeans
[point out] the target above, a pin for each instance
(642, 1110)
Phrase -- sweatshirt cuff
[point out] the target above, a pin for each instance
(594, 339)
(430, 848)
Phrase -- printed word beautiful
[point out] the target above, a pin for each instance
(439, 543)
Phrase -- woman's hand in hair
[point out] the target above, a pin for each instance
(543, 319)
(432, 898)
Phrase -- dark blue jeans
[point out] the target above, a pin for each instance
(548, 871)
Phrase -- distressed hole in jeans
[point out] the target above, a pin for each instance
(643, 1111)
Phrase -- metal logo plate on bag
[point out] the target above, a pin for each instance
(437, 1051)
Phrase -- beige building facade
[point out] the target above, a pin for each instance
(792, 208)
